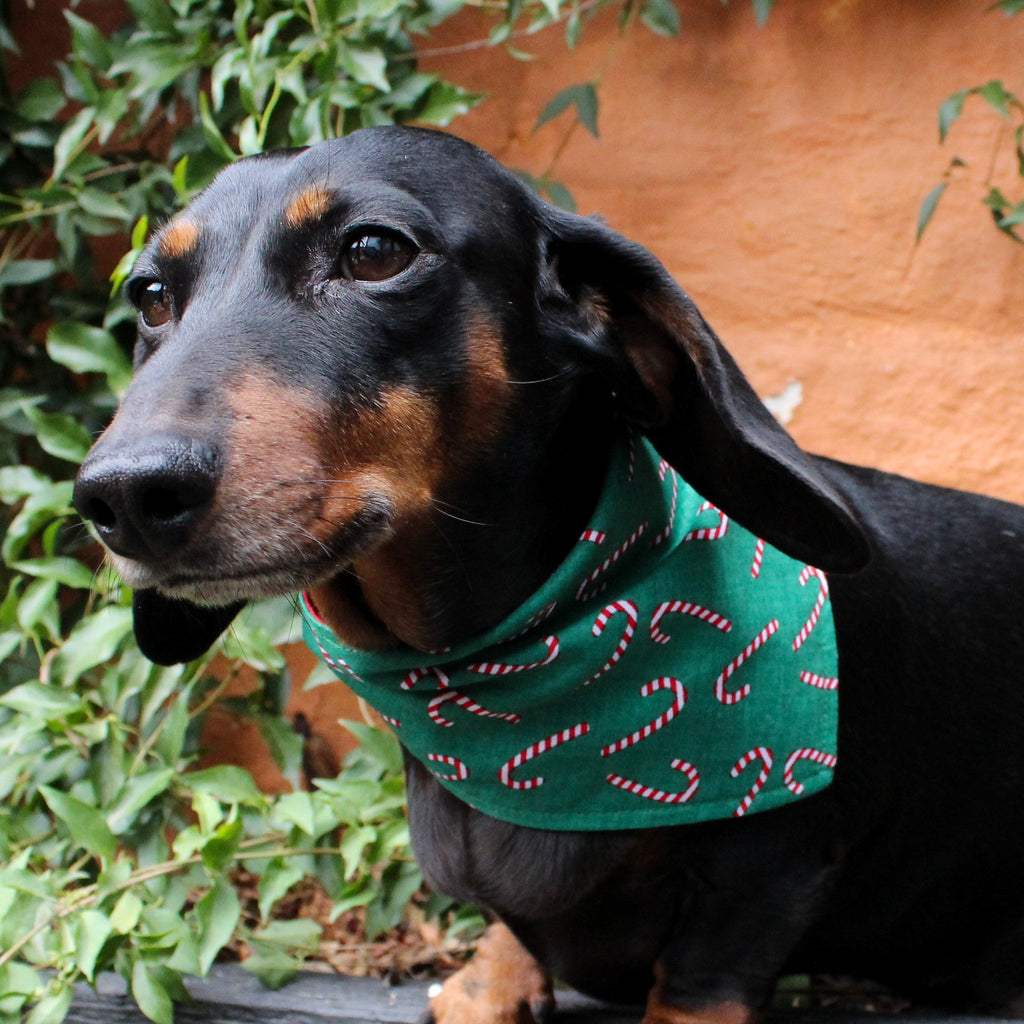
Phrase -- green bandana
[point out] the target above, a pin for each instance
(674, 669)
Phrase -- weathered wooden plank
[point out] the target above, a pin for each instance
(232, 996)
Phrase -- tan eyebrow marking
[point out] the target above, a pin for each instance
(307, 207)
(179, 238)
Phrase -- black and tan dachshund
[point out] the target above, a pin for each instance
(381, 371)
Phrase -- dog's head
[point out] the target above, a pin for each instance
(333, 342)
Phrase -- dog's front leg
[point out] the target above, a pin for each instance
(502, 984)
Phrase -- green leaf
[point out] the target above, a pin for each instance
(68, 571)
(996, 95)
(353, 844)
(227, 783)
(275, 881)
(21, 272)
(54, 1005)
(85, 823)
(661, 17)
(86, 349)
(92, 929)
(296, 809)
(366, 64)
(40, 700)
(126, 913)
(150, 992)
(88, 42)
(583, 97)
(1010, 7)
(37, 605)
(216, 914)
(60, 435)
(950, 109)
(377, 744)
(42, 100)
(136, 794)
(560, 195)
(93, 641)
(762, 8)
(220, 850)
(931, 201)
(211, 133)
(72, 137)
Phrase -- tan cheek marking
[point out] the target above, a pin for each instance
(307, 207)
(179, 238)
(394, 449)
(488, 393)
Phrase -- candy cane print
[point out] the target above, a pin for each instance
(755, 566)
(685, 608)
(660, 795)
(710, 532)
(737, 695)
(664, 683)
(594, 536)
(765, 756)
(461, 771)
(542, 616)
(497, 668)
(821, 682)
(804, 754)
(809, 572)
(663, 469)
(505, 773)
(628, 609)
(338, 664)
(585, 593)
(420, 673)
(433, 708)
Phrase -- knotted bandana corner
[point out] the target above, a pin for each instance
(674, 669)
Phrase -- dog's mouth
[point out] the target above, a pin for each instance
(254, 565)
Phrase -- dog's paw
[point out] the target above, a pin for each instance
(503, 984)
(659, 1012)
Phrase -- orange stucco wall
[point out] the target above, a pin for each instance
(778, 171)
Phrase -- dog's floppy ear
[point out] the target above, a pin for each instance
(625, 317)
(170, 631)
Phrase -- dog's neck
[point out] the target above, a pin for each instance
(485, 547)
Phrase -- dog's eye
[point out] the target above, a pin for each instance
(154, 302)
(376, 257)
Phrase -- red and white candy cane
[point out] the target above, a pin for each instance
(594, 536)
(821, 682)
(764, 755)
(461, 772)
(338, 664)
(664, 683)
(735, 696)
(663, 469)
(586, 589)
(755, 566)
(535, 620)
(807, 573)
(498, 668)
(421, 673)
(627, 608)
(710, 532)
(804, 754)
(685, 608)
(660, 795)
(565, 736)
(434, 708)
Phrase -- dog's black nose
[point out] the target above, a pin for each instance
(146, 498)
